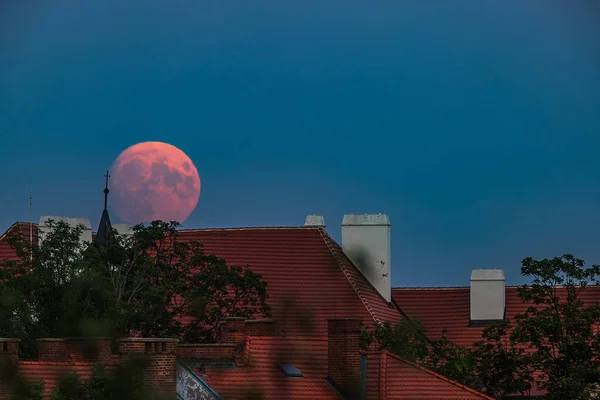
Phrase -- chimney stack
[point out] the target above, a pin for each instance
(487, 296)
(315, 220)
(366, 241)
(86, 234)
(343, 355)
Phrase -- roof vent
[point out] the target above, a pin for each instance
(290, 371)
(487, 296)
(315, 220)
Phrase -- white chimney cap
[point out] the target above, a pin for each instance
(487, 275)
(366, 219)
(315, 220)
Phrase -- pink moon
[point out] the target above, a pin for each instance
(153, 181)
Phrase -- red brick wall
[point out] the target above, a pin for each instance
(52, 350)
(344, 353)
(9, 348)
(162, 358)
(75, 349)
(260, 327)
(9, 353)
(162, 371)
(206, 351)
(233, 330)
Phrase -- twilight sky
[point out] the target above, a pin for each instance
(474, 125)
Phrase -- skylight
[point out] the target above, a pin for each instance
(290, 371)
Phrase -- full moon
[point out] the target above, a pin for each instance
(153, 181)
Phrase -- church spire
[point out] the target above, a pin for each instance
(105, 232)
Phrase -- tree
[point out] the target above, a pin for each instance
(408, 340)
(557, 336)
(125, 381)
(562, 332)
(150, 284)
(502, 367)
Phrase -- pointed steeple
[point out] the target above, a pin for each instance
(105, 231)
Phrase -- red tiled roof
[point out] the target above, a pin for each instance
(390, 377)
(308, 276)
(309, 355)
(22, 228)
(449, 309)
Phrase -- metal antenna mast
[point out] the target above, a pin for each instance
(30, 226)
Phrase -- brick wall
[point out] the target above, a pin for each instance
(344, 354)
(206, 351)
(233, 330)
(9, 348)
(161, 354)
(9, 354)
(52, 349)
(260, 327)
(80, 349)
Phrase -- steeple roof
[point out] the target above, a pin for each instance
(105, 231)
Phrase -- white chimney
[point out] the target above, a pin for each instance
(86, 234)
(315, 220)
(366, 241)
(487, 295)
(123, 229)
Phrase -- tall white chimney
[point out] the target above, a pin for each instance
(315, 220)
(366, 241)
(86, 234)
(487, 296)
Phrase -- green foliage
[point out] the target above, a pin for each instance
(143, 284)
(68, 387)
(557, 335)
(453, 361)
(126, 381)
(561, 331)
(503, 368)
(20, 388)
(406, 339)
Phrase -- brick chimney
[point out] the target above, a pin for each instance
(161, 356)
(52, 349)
(233, 330)
(343, 352)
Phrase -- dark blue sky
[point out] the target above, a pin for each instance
(474, 125)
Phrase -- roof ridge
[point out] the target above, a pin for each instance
(429, 287)
(245, 228)
(435, 374)
(10, 228)
(328, 241)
